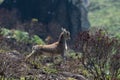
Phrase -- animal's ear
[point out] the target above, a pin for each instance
(63, 29)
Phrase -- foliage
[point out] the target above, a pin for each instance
(49, 70)
(105, 14)
(100, 54)
(37, 40)
(5, 32)
(1, 1)
(21, 36)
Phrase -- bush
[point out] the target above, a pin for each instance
(100, 54)
(21, 36)
(16, 39)
(36, 39)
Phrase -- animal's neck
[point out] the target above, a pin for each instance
(61, 39)
(66, 47)
(62, 42)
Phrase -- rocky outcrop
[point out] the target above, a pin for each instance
(70, 14)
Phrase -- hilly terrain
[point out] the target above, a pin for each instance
(105, 14)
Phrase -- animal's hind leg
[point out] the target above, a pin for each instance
(28, 56)
(52, 58)
(63, 57)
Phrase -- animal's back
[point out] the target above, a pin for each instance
(51, 49)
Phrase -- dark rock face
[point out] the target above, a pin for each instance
(70, 14)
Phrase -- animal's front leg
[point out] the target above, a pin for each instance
(63, 63)
(64, 57)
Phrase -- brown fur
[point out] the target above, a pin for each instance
(56, 48)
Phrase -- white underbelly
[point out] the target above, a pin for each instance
(50, 54)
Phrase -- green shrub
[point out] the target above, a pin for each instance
(36, 39)
(21, 36)
(49, 70)
(5, 32)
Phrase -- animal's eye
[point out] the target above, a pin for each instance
(67, 33)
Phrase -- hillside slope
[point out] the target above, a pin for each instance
(105, 13)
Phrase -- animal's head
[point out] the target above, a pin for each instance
(65, 34)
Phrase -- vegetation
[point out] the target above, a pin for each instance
(1, 1)
(99, 59)
(100, 54)
(103, 49)
(21, 36)
(105, 14)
